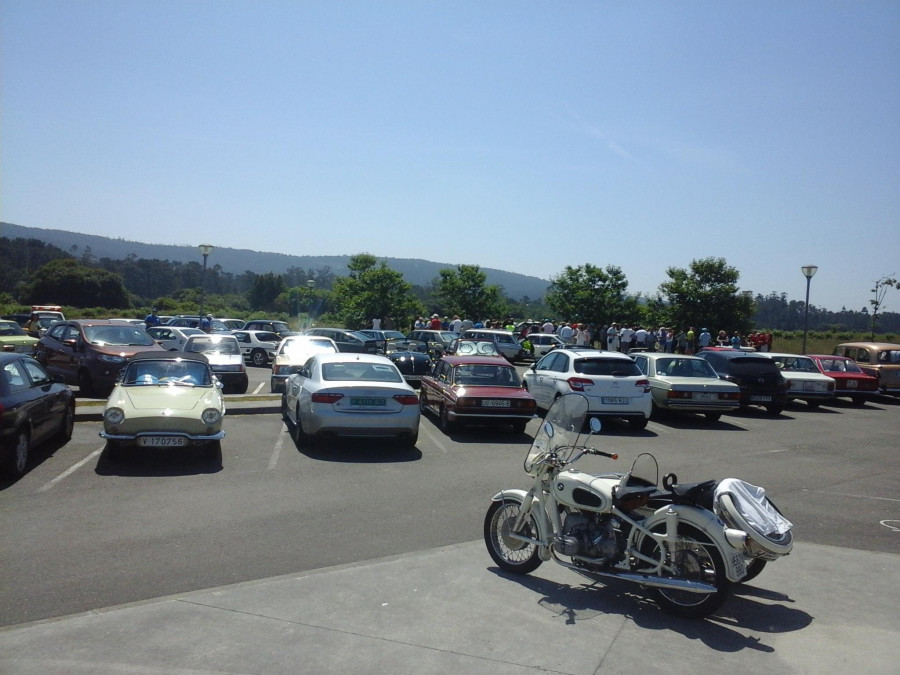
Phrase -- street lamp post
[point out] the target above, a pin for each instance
(310, 284)
(808, 272)
(205, 250)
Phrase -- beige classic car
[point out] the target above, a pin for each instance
(165, 400)
(880, 359)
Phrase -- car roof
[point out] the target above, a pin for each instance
(483, 360)
(582, 352)
(733, 353)
(168, 356)
(12, 356)
(871, 345)
(491, 331)
(212, 337)
(668, 355)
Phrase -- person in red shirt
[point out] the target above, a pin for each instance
(435, 322)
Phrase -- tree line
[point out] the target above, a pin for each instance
(705, 294)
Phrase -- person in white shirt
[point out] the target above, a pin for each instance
(376, 324)
(456, 324)
(547, 327)
(612, 337)
(625, 338)
(565, 333)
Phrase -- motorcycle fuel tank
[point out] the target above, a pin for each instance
(584, 490)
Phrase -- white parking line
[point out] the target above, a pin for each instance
(259, 387)
(72, 469)
(273, 460)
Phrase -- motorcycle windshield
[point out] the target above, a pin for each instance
(560, 430)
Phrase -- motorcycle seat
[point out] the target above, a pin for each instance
(695, 494)
(630, 498)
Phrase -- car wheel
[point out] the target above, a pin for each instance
(241, 388)
(713, 417)
(259, 358)
(858, 400)
(301, 438)
(85, 384)
(774, 409)
(410, 440)
(17, 460)
(423, 407)
(813, 404)
(68, 423)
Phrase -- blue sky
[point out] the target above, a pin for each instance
(516, 135)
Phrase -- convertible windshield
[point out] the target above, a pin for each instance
(117, 336)
(170, 371)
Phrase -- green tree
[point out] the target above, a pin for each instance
(590, 294)
(264, 291)
(880, 290)
(65, 281)
(372, 290)
(464, 291)
(706, 295)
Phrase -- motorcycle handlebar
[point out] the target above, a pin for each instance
(611, 455)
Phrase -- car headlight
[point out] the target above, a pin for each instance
(211, 416)
(114, 416)
(111, 358)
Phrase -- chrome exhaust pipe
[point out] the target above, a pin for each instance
(645, 579)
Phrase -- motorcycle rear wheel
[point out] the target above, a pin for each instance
(511, 555)
(695, 559)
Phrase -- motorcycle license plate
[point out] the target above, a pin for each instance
(761, 399)
(161, 441)
(614, 400)
(738, 565)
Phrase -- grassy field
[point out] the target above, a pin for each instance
(821, 343)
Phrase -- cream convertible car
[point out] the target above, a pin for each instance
(165, 400)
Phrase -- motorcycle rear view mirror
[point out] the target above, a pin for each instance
(596, 425)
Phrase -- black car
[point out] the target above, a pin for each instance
(348, 340)
(33, 408)
(411, 358)
(280, 328)
(758, 377)
(382, 336)
(438, 340)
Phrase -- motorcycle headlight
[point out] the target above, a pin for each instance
(211, 416)
(114, 416)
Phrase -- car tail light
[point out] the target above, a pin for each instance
(579, 383)
(526, 404)
(645, 384)
(326, 398)
(407, 399)
(678, 394)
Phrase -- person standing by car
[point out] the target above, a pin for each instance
(612, 337)
(152, 319)
(626, 336)
(705, 339)
(690, 341)
(736, 340)
(206, 323)
(435, 322)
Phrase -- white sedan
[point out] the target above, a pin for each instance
(345, 394)
(807, 383)
(172, 338)
(687, 384)
(293, 352)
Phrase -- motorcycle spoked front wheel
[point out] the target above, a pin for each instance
(695, 558)
(511, 555)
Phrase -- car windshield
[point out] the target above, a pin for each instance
(619, 367)
(404, 345)
(166, 372)
(8, 328)
(118, 336)
(361, 372)
(840, 366)
(471, 375)
(211, 345)
(676, 367)
(795, 364)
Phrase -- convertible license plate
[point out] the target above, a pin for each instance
(492, 403)
(705, 397)
(368, 402)
(161, 441)
(615, 400)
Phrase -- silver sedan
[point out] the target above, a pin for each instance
(345, 394)
(687, 384)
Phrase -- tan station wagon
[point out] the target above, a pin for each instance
(881, 359)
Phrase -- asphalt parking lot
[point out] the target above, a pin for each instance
(362, 550)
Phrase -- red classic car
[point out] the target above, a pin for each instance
(849, 379)
(476, 390)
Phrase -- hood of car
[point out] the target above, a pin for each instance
(168, 397)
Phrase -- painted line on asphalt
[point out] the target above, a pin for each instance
(852, 496)
(258, 388)
(72, 469)
(276, 452)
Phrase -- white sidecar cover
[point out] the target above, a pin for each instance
(753, 507)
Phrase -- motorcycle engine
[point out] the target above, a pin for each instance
(588, 536)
